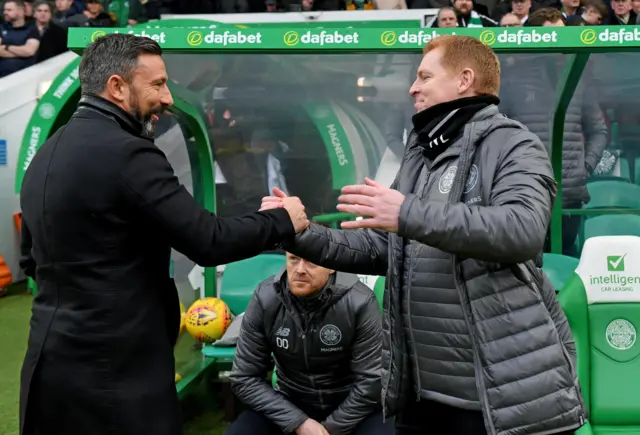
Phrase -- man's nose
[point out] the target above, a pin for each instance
(301, 268)
(166, 99)
(413, 90)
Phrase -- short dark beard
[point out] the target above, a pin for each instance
(147, 122)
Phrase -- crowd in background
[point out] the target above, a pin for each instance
(33, 31)
(513, 13)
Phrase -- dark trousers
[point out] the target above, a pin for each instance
(431, 418)
(255, 423)
(570, 230)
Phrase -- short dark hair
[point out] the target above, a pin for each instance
(538, 17)
(598, 5)
(39, 3)
(19, 3)
(111, 54)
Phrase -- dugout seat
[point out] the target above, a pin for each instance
(559, 268)
(239, 281)
(602, 304)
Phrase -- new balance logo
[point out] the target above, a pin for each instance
(282, 332)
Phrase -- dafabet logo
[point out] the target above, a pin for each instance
(97, 34)
(293, 38)
(390, 38)
(196, 38)
(160, 38)
(521, 37)
(617, 35)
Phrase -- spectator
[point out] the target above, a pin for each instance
(594, 12)
(19, 41)
(510, 20)
(570, 8)
(67, 8)
(635, 6)
(575, 20)
(547, 17)
(96, 17)
(28, 11)
(42, 16)
(271, 5)
(390, 4)
(141, 11)
(623, 13)
(446, 18)
(529, 84)
(467, 17)
(521, 9)
(53, 37)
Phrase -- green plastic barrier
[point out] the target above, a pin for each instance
(239, 281)
(559, 268)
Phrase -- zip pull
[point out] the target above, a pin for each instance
(581, 420)
(303, 335)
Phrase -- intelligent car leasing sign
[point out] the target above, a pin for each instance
(610, 269)
(360, 38)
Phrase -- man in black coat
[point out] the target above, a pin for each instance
(101, 211)
(324, 331)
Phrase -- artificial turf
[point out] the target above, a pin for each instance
(202, 415)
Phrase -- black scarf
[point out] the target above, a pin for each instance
(439, 125)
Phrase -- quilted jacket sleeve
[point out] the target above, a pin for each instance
(251, 364)
(365, 366)
(512, 227)
(352, 251)
(595, 132)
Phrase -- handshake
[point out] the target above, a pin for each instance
(292, 204)
(376, 205)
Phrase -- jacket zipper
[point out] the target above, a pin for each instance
(466, 306)
(387, 294)
(385, 389)
(464, 300)
(304, 346)
(306, 364)
(414, 252)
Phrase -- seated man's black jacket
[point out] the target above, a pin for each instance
(327, 352)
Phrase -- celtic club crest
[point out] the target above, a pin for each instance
(330, 335)
(621, 334)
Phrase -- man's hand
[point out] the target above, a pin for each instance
(377, 203)
(311, 427)
(294, 206)
(275, 201)
(291, 203)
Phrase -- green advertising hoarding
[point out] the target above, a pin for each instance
(371, 39)
(45, 116)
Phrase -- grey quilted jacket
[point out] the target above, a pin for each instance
(523, 353)
(528, 95)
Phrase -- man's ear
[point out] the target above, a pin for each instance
(467, 79)
(116, 88)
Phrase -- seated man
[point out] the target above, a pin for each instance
(324, 330)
